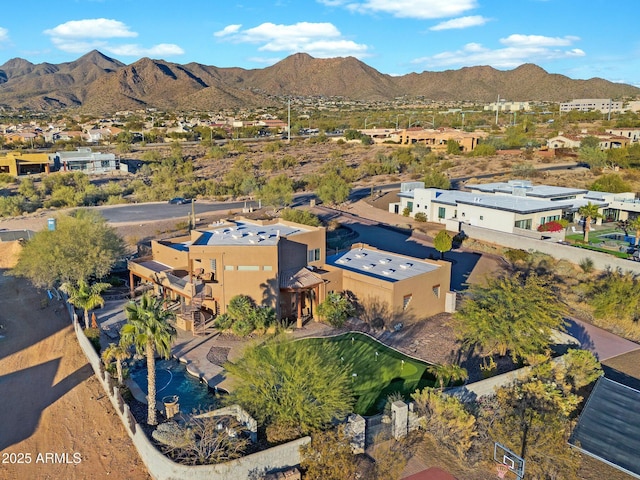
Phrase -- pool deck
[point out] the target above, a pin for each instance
(192, 350)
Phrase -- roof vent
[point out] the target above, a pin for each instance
(404, 266)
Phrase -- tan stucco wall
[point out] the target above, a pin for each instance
(232, 276)
(169, 256)
(367, 288)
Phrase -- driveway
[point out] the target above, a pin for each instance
(602, 344)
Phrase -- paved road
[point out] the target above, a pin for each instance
(157, 211)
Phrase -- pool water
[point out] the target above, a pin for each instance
(172, 378)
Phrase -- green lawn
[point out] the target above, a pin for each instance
(376, 376)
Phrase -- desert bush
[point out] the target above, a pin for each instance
(552, 226)
(93, 334)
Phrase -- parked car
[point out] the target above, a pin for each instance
(179, 201)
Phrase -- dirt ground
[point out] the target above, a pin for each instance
(55, 420)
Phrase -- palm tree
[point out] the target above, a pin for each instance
(85, 296)
(117, 352)
(447, 373)
(148, 329)
(588, 212)
(635, 225)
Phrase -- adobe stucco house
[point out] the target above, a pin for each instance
(282, 264)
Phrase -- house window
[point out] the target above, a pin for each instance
(406, 300)
(442, 211)
(248, 268)
(436, 290)
(481, 217)
(213, 264)
(313, 255)
(228, 267)
(410, 206)
(525, 224)
(267, 268)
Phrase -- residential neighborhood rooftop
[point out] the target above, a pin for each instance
(379, 264)
(510, 203)
(526, 188)
(245, 233)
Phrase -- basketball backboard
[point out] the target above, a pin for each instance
(514, 463)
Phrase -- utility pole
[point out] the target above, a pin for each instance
(497, 108)
(289, 121)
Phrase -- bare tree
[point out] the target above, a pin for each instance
(211, 440)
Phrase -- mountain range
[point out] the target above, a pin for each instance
(100, 84)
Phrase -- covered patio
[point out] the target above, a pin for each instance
(299, 294)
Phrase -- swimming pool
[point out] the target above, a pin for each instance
(172, 378)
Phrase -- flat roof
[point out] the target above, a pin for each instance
(245, 233)
(379, 264)
(538, 191)
(507, 203)
(499, 202)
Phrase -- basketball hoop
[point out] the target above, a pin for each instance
(502, 470)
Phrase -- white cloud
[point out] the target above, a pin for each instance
(422, 9)
(132, 50)
(461, 22)
(80, 36)
(537, 41)
(228, 30)
(90, 28)
(4, 35)
(317, 39)
(518, 49)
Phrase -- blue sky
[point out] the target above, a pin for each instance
(578, 38)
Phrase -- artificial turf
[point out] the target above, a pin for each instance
(374, 376)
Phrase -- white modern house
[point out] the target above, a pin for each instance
(86, 161)
(510, 206)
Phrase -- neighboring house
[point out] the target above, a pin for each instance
(437, 139)
(282, 264)
(603, 105)
(632, 134)
(513, 205)
(97, 135)
(379, 135)
(68, 135)
(24, 137)
(607, 142)
(505, 106)
(84, 160)
(275, 124)
(564, 141)
(17, 163)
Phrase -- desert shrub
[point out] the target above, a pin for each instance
(586, 264)
(304, 217)
(420, 217)
(515, 255)
(552, 226)
(93, 334)
(5, 178)
(446, 419)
